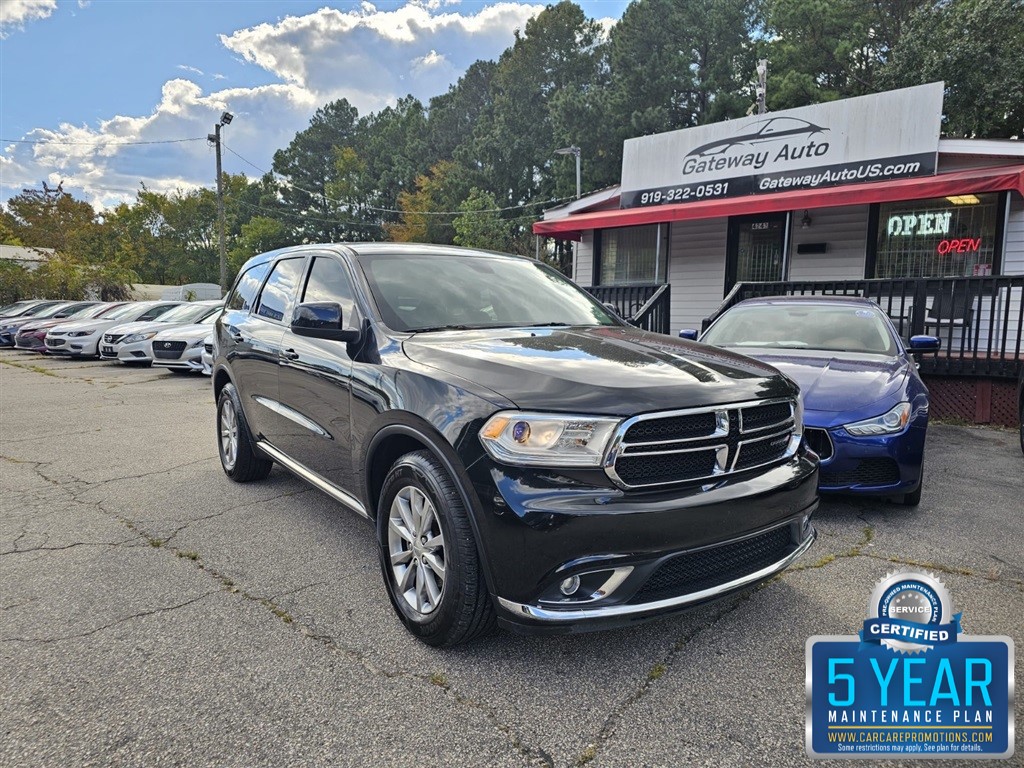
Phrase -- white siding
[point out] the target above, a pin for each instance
(583, 268)
(844, 230)
(1013, 253)
(696, 270)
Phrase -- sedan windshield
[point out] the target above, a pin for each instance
(423, 292)
(828, 327)
(185, 314)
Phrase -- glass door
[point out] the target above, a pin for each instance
(756, 249)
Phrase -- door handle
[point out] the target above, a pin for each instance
(290, 354)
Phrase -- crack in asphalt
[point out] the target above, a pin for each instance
(132, 617)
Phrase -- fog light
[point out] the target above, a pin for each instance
(570, 585)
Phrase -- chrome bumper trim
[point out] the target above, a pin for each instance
(611, 611)
(313, 478)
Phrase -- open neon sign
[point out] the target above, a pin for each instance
(959, 245)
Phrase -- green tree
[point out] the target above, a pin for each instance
(977, 48)
(258, 235)
(48, 217)
(481, 226)
(427, 211)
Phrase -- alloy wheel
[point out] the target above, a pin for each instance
(228, 435)
(416, 550)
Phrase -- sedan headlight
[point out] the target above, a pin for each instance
(887, 424)
(136, 337)
(78, 334)
(547, 439)
(197, 343)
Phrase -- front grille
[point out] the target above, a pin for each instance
(684, 427)
(873, 472)
(55, 342)
(681, 447)
(168, 350)
(757, 452)
(112, 338)
(706, 568)
(819, 442)
(765, 416)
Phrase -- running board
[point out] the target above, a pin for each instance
(313, 479)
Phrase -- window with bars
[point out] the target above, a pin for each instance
(943, 237)
(633, 255)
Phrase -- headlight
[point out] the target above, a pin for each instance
(547, 439)
(138, 337)
(77, 334)
(197, 343)
(887, 424)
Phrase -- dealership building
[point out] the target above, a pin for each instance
(858, 196)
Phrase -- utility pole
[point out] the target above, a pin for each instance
(575, 152)
(214, 138)
(762, 85)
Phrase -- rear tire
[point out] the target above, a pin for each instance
(238, 456)
(428, 554)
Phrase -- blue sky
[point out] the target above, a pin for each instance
(82, 79)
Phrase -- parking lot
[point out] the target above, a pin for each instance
(154, 613)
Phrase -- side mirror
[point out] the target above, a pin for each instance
(690, 334)
(321, 320)
(611, 308)
(920, 344)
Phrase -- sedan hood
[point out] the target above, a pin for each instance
(603, 370)
(189, 333)
(143, 326)
(97, 324)
(839, 382)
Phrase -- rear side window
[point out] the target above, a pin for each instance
(328, 281)
(244, 295)
(278, 295)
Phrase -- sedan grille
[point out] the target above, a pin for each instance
(679, 447)
(873, 472)
(168, 350)
(706, 568)
(112, 338)
(55, 342)
(820, 442)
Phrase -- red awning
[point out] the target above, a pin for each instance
(960, 183)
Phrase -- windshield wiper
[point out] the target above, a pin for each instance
(542, 325)
(442, 328)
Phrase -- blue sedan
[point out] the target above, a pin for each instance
(865, 407)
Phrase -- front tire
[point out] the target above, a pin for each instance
(238, 457)
(428, 554)
(913, 499)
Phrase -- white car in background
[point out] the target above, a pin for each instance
(129, 343)
(181, 349)
(82, 338)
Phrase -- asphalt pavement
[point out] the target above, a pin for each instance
(154, 613)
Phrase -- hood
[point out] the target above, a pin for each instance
(96, 324)
(127, 329)
(42, 325)
(840, 382)
(603, 370)
(189, 333)
(13, 323)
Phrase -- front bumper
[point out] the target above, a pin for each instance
(876, 466)
(30, 342)
(136, 352)
(637, 555)
(191, 360)
(75, 346)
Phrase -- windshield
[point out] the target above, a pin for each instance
(56, 309)
(210, 317)
(832, 328)
(14, 307)
(125, 311)
(186, 313)
(419, 292)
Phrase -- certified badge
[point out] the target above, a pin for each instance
(910, 612)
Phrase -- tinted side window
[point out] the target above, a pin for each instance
(244, 295)
(155, 312)
(328, 281)
(278, 295)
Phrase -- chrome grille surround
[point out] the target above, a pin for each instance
(727, 441)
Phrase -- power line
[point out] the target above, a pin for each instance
(100, 143)
(289, 184)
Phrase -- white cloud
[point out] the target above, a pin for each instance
(375, 57)
(370, 57)
(14, 13)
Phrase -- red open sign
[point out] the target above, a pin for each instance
(959, 245)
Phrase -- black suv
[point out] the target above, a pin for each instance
(526, 456)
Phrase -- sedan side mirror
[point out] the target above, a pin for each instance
(690, 334)
(321, 320)
(920, 344)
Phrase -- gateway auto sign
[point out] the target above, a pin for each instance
(871, 138)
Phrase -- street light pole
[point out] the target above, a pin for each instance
(575, 152)
(214, 137)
